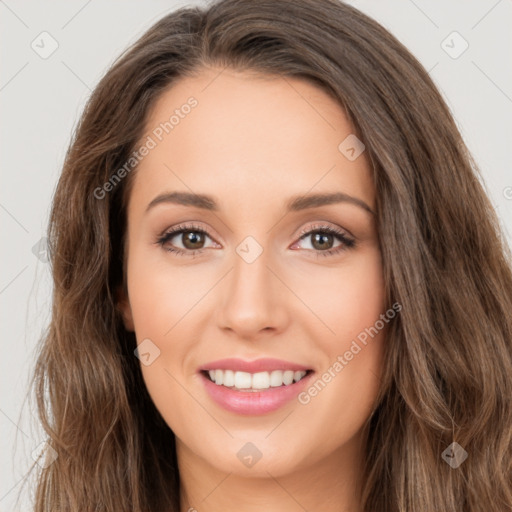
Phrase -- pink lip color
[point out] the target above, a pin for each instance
(253, 402)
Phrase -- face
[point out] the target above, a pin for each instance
(277, 297)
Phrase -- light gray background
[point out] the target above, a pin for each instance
(41, 99)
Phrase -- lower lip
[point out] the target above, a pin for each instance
(253, 402)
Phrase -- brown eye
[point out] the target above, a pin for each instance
(185, 240)
(192, 239)
(322, 241)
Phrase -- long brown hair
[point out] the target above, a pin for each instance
(448, 366)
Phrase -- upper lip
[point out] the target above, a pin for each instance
(257, 365)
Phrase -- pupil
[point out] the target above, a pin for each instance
(193, 238)
(322, 239)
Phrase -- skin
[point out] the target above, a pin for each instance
(252, 142)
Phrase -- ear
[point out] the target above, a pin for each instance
(123, 306)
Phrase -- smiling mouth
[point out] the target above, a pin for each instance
(254, 382)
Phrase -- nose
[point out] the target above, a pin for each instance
(253, 301)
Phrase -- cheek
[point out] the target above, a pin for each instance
(162, 302)
(347, 298)
(160, 294)
(353, 345)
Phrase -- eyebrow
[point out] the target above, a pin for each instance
(294, 204)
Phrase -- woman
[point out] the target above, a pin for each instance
(278, 281)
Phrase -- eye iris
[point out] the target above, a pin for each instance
(194, 238)
(322, 239)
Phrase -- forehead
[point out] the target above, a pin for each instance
(255, 137)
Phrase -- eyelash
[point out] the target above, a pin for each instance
(346, 242)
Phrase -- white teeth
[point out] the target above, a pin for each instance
(288, 377)
(229, 378)
(276, 379)
(242, 379)
(298, 375)
(255, 381)
(261, 380)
